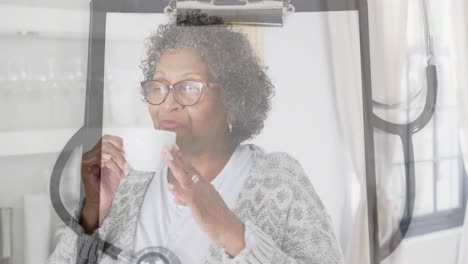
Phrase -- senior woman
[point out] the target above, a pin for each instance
(217, 200)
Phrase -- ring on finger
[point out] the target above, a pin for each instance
(195, 178)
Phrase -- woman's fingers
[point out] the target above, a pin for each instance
(177, 169)
(107, 145)
(102, 169)
(114, 140)
(183, 171)
(115, 154)
(110, 183)
(179, 202)
(92, 177)
(92, 156)
(108, 151)
(104, 160)
(178, 194)
(89, 159)
(180, 158)
(112, 167)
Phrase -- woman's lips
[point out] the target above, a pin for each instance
(169, 125)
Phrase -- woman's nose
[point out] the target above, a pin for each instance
(170, 103)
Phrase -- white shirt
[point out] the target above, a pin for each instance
(164, 223)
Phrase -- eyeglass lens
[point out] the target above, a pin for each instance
(185, 92)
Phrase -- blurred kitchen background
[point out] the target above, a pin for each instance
(44, 46)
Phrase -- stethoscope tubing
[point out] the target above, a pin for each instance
(405, 132)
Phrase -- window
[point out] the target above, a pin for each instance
(441, 178)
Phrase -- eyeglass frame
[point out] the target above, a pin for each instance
(205, 84)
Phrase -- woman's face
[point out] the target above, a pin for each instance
(199, 125)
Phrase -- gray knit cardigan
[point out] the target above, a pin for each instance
(285, 221)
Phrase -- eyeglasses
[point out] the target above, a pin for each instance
(186, 93)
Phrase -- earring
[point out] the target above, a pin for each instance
(230, 128)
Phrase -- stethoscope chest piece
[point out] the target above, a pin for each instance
(156, 255)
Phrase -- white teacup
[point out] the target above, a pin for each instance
(143, 146)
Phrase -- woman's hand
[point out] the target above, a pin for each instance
(208, 208)
(102, 169)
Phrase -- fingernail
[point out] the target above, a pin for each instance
(168, 154)
(106, 157)
(176, 147)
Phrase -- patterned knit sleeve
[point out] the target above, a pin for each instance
(308, 233)
(75, 246)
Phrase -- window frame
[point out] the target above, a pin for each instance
(444, 219)
(440, 220)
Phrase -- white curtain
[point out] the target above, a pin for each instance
(348, 95)
(388, 23)
(463, 248)
(460, 32)
(387, 20)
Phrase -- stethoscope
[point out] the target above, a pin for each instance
(405, 132)
(91, 131)
(151, 255)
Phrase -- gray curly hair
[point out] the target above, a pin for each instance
(247, 90)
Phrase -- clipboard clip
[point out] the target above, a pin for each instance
(243, 12)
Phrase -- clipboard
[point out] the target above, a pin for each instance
(91, 130)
